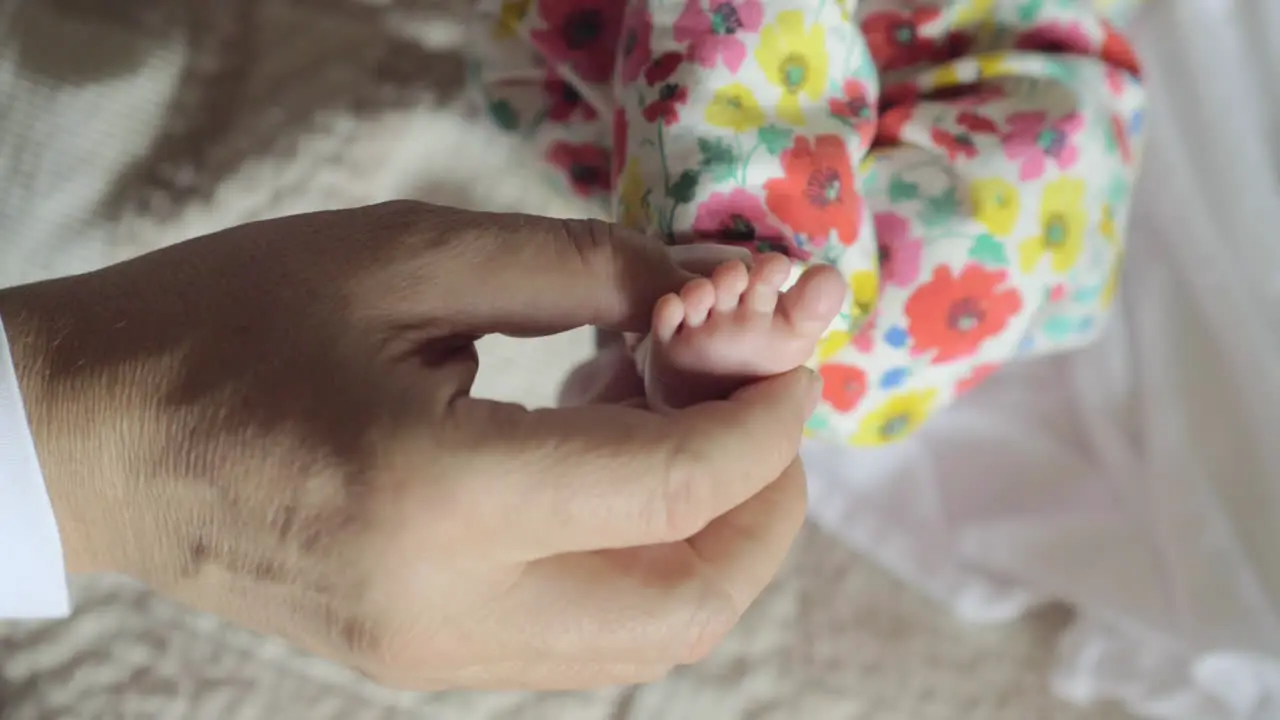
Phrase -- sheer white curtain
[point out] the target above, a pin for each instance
(1138, 481)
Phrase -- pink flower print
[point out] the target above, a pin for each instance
(1033, 141)
(712, 34)
(736, 216)
(866, 337)
(637, 42)
(1117, 81)
(899, 251)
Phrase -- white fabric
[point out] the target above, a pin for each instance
(33, 584)
(1139, 480)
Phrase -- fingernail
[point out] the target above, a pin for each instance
(815, 389)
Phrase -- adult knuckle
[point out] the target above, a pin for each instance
(368, 650)
(591, 240)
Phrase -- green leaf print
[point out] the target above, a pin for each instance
(941, 208)
(902, 190)
(1030, 10)
(1062, 71)
(684, 188)
(989, 251)
(1059, 327)
(504, 114)
(1118, 191)
(817, 423)
(870, 173)
(775, 139)
(718, 159)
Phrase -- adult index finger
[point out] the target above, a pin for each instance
(601, 477)
(522, 274)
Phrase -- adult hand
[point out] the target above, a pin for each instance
(273, 424)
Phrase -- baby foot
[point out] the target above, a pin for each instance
(722, 332)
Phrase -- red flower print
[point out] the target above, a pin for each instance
(662, 68)
(866, 337)
(952, 315)
(976, 124)
(1052, 37)
(975, 95)
(895, 114)
(637, 42)
(892, 122)
(586, 166)
(897, 40)
(954, 45)
(666, 108)
(957, 145)
(1118, 52)
(566, 101)
(817, 196)
(976, 378)
(972, 95)
(619, 141)
(712, 34)
(894, 38)
(1117, 80)
(1122, 138)
(582, 34)
(853, 109)
(842, 386)
(899, 93)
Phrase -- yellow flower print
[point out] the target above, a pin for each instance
(633, 206)
(1063, 224)
(1107, 228)
(973, 12)
(895, 418)
(992, 65)
(734, 107)
(947, 76)
(995, 204)
(1107, 225)
(865, 286)
(512, 13)
(831, 344)
(1113, 282)
(795, 59)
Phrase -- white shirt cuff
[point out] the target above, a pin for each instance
(33, 580)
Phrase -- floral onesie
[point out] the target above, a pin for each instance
(966, 164)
